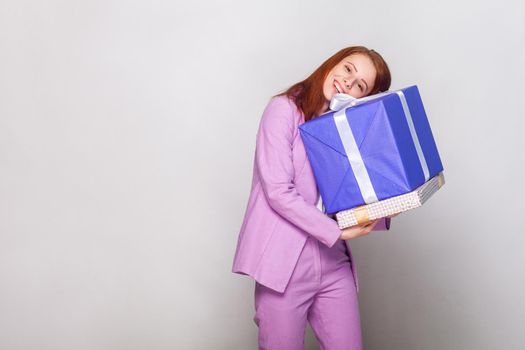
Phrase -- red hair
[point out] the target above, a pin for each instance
(308, 94)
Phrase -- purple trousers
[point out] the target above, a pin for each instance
(321, 291)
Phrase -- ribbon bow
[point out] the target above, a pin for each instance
(341, 101)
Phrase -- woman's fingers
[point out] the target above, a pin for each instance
(370, 223)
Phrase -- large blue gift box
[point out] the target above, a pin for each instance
(371, 149)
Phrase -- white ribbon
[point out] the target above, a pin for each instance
(340, 101)
(413, 133)
(354, 157)
(339, 104)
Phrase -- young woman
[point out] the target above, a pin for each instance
(303, 269)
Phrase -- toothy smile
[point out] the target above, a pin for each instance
(338, 87)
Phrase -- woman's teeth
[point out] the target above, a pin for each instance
(337, 88)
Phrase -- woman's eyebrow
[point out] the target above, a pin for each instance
(353, 65)
(365, 83)
(358, 71)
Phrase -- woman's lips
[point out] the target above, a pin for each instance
(338, 87)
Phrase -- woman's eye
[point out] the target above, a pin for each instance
(347, 68)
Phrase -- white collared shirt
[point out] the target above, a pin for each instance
(320, 204)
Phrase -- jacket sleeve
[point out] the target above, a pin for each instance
(382, 225)
(273, 159)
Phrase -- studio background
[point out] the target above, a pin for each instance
(127, 135)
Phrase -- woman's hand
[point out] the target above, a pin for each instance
(358, 230)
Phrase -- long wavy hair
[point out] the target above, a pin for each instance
(308, 94)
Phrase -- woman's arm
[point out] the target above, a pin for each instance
(273, 158)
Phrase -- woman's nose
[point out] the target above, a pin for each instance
(349, 83)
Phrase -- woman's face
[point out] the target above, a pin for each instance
(354, 75)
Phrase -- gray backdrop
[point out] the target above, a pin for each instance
(127, 133)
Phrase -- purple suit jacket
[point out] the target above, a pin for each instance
(281, 210)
